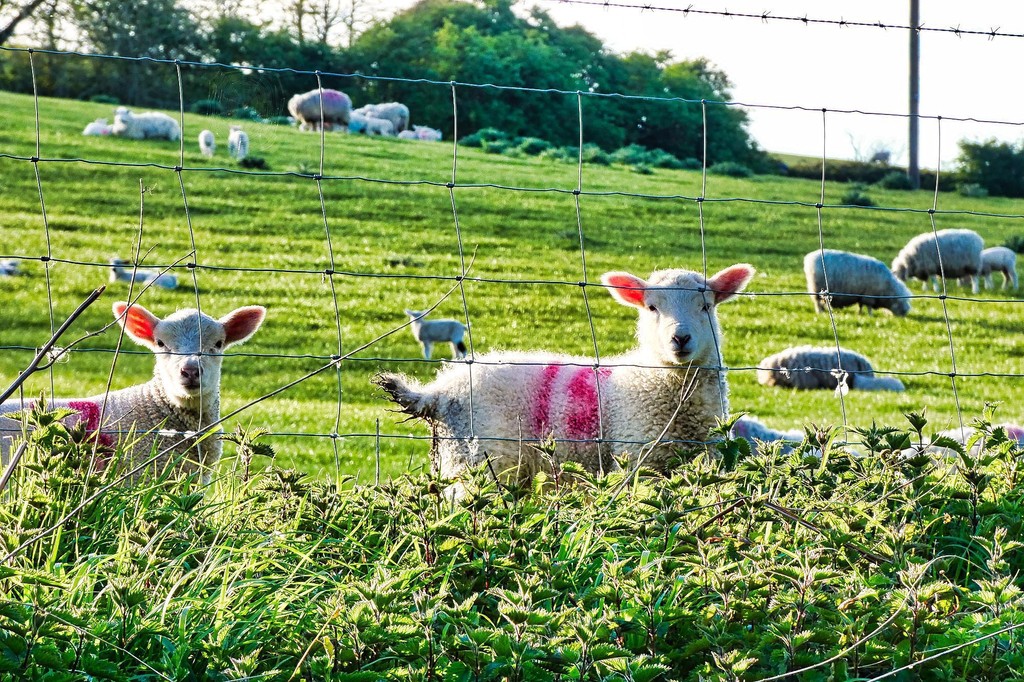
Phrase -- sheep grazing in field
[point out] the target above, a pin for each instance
(170, 410)
(307, 110)
(9, 268)
(810, 367)
(97, 128)
(122, 271)
(841, 279)
(147, 125)
(207, 143)
(395, 112)
(668, 392)
(997, 259)
(429, 332)
(947, 253)
(369, 125)
(238, 143)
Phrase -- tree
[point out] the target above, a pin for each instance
(13, 13)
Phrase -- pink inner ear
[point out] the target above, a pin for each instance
(139, 324)
(628, 289)
(243, 323)
(730, 281)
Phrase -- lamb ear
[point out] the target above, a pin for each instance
(730, 281)
(625, 288)
(138, 323)
(240, 324)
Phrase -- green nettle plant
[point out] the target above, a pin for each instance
(895, 552)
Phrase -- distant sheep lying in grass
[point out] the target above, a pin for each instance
(182, 398)
(810, 367)
(333, 112)
(421, 133)
(9, 268)
(667, 393)
(950, 253)
(756, 431)
(97, 128)
(429, 332)
(369, 125)
(395, 112)
(147, 125)
(852, 278)
(122, 271)
(997, 259)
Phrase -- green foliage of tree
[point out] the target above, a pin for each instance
(996, 166)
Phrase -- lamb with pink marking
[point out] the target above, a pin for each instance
(648, 404)
(176, 406)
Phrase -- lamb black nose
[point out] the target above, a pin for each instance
(191, 373)
(681, 341)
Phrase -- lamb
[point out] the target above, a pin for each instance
(149, 124)
(306, 108)
(950, 253)
(851, 279)
(176, 405)
(396, 112)
(238, 143)
(429, 332)
(421, 133)
(668, 392)
(207, 143)
(810, 367)
(9, 268)
(97, 128)
(997, 259)
(757, 432)
(122, 271)
(379, 126)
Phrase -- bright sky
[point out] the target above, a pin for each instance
(815, 66)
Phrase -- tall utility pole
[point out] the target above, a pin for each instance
(913, 170)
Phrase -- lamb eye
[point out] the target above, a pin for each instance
(652, 308)
(219, 344)
(160, 344)
(706, 307)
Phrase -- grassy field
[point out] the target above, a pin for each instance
(387, 228)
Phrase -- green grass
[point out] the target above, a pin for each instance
(394, 245)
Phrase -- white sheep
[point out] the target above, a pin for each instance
(666, 394)
(757, 432)
(997, 259)
(379, 126)
(207, 143)
(180, 401)
(811, 367)
(429, 332)
(148, 124)
(396, 112)
(122, 271)
(238, 143)
(841, 279)
(9, 268)
(307, 110)
(421, 133)
(950, 253)
(97, 128)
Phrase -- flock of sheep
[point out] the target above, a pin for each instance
(318, 109)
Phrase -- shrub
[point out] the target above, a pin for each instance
(730, 168)
(895, 180)
(568, 154)
(496, 146)
(246, 114)
(592, 153)
(1015, 243)
(642, 169)
(105, 99)
(279, 120)
(996, 166)
(483, 135)
(631, 155)
(856, 196)
(207, 107)
(659, 158)
(972, 189)
(532, 146)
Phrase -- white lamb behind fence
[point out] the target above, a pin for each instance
(238, 143)
(811, 367)
(180, 401)
(207, 143)
(396, 112)
(9, 268)
(997, 259)
(307, 110)
(950, 253)
(429, 332)
(756, 431)
(852, 278)
(148, 124)
(122, 271)
(667, 393)
(97, 128)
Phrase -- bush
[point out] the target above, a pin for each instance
(856, 196)
(279, 120)
(246, 114)
(594, 154)
(207, 107)
(483, 135)
(996, 166)
(497, 146)
(105, 99)
(972, 189)
(532, 146)
(568, 154)
(895, 180)
(1015, 243)
(642, 169)
(630, 155)
(730, 168)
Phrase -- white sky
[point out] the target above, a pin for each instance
(815, 66)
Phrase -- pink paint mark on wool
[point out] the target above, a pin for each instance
(540, 415)
(89, 413)
(582, 420)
